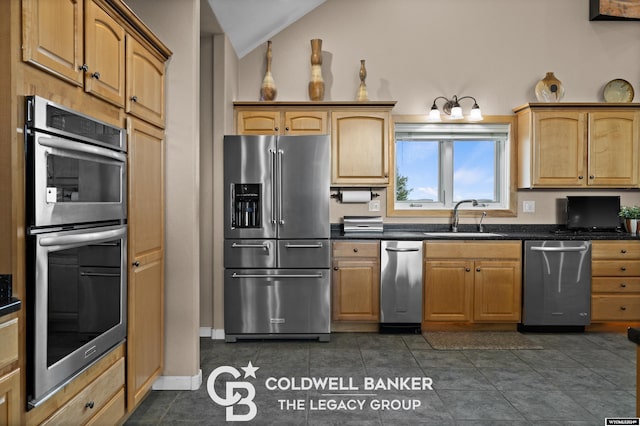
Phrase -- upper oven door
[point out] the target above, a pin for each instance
(74, 182)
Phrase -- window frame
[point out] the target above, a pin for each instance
(509, 211)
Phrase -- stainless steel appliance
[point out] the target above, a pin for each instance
(76, 244)
(400, 285)
(77, 169)
(277, 254)
(557, 283)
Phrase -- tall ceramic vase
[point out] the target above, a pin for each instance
(268, 90)
(362, 95)
(316, 85)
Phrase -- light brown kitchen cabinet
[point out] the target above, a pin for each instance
(145, 332)
(9, 371)
(578, 145)
(615, 282)
(360, 147)
(53, 37)
(275, 122)
(472, 281)
(145, 83)
(355, 281)
(104, 55)
(10, 398)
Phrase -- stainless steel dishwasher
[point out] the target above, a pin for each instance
(400, 286)
(557, 283)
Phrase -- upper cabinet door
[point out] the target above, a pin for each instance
(145, 83)
(359, 147)
(559, 157)
(613, 148)
(104, 54)
(53, 37)
(258, 122)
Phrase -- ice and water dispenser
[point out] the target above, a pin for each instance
(246, 205)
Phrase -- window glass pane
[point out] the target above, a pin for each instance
(417, 171)
(474, 170)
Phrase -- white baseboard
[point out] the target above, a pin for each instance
(214, 333)
(205, 331)
(178, 382)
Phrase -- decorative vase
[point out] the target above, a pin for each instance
(316, 85)
(631, 225)
(362, 90)
(549, 89)
(268, 90)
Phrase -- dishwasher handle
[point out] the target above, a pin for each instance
(395, 249)
(559, 249)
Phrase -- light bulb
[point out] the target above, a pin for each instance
(456, 113)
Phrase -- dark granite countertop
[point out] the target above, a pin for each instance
(507, 232)
(634, 335)
(11, 305)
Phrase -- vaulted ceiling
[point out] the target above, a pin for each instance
(249, 23)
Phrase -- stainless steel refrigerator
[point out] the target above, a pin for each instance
(276, 251)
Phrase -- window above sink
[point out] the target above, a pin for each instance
(435, 165)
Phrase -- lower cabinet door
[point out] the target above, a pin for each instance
(10, 398)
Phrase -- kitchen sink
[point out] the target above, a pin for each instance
(450, 234)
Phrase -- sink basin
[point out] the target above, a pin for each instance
(450, 234)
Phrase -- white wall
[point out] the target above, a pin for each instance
(415, 50)
(177, 24)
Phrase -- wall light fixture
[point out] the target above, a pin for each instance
(452, 108)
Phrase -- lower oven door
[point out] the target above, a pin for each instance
(279, 303)
(77, 303)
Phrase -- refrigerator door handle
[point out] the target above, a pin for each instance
(236, 275)
(274, 195)
(280, 186)
(317, 245)
(264, 246)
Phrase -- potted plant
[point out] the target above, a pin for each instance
(630, 215)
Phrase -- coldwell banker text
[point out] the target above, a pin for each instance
(353, 400)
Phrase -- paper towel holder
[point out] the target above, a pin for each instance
(338, 195)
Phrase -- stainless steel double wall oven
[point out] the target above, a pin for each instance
(76, 180)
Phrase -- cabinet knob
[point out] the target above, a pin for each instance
(286, 129)
(84, 67)
(277, 129)
(136, 263)
(89, 405)
(96, 75)
(592, 177)
(623, 285)
(467, 269)
(477, 269)
(623, 308)
(355, 249)
(580, 177)
(335, 268)
(623, 268)
(134, 98)
(623, 251)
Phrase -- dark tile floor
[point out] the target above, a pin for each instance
(576, 379)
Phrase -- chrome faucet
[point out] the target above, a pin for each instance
(456, 219)
(480, 225)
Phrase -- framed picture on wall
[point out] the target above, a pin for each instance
(614, 10)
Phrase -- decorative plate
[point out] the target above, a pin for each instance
(618, 90)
